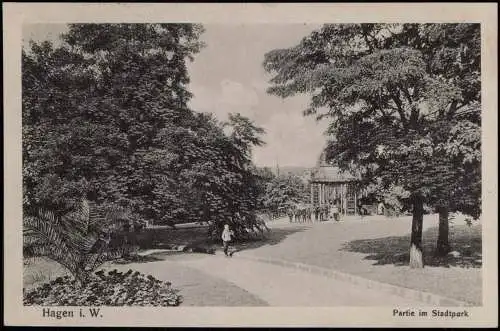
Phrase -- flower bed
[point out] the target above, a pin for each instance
(105, 289)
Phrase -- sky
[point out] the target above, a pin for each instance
(227, 76)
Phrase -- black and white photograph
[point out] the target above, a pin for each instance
(176, 164)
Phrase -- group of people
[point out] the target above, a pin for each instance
(277, 213)
(321, 213)
(300, 214)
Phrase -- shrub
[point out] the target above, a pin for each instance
(105, 289)
(70, 239)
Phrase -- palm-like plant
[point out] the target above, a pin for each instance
(72, 240)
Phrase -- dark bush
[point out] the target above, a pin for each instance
(110, 289)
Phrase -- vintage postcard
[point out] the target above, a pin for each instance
(250, 164)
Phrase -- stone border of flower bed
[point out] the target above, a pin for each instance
(404, 292)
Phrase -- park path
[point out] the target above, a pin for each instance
(243, 280)
(374, 247)
(198, 289)
(286, 287)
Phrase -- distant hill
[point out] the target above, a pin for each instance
(294, 170)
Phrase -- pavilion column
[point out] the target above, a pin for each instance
(324, 194)
(321, 194)
(318, 192)
(355, 204)
(312, 193)
(344, 197)
(325, 188)
(341, 195)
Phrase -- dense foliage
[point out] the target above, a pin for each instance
(106, 121)
(403, 101)
(284, 190)
(105, 117)
(72, 240)
(111, 289)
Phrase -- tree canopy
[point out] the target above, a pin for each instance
(105, 117)
(284, 190)
(403, 103)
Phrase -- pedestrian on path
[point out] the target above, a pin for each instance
(316, 213)
(381, 208)
(335, 211)
(290, 214)
(227, 236)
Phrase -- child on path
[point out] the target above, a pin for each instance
(227, 235)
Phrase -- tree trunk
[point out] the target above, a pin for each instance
(416, 255)
(443, 245)
(81, 276)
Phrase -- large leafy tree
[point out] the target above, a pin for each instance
(285, 190)
(263, 177)
(91, 118)
(105, 117)
(220, 175)
(93, 106)
(403, 101)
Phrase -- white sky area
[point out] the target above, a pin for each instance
(227, 76)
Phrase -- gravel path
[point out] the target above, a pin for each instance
(197, 288)
(284, 287)
(375, 248)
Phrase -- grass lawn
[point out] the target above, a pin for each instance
(377, 249)
(159, 236)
